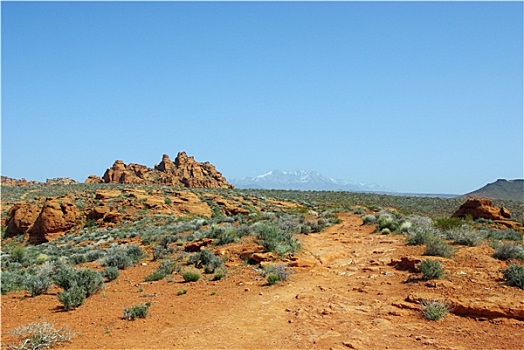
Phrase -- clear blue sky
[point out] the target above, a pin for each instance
(417, 97)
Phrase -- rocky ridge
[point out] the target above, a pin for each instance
(183, 172)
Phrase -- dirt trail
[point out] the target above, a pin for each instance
(343, 295)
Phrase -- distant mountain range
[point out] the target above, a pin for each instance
(501, 189)
(303, 180)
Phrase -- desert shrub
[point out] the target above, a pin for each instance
(431, 269)
(117, 257)
(369, 219)
(438, 247)
(272, 279)
(434, 310)
(165, 268)
(509, 252)
(77, 259)
(465, 235)
(17, 254)
(422, 236)
(447, 223)
(219, 274)
(123, 257)
(205, 259)
(228, 235)
(38, 280)
(280, 270)
(275, 239)
(191, 275)
(136, 311)
(90, 281)
(514, 275)
(385, 231)
(111, 273)
(72, 298)
(405, 226)
(94, 255)
(11, 280)
(508, 234)
(181, 292)
(64, 276)
(387, 220)
(161, 250)
(37, 284)
(43, 335)
(135, 252)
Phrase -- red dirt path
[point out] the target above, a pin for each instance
(345, 295)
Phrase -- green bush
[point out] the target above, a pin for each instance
(280, 270)
(434, 310)
(117, 257)
(11, 280)
(431, 269)
(136, 311)
(206, 259)
(447, 223)
(464, 235)
(386, 220)
(37, 284)
(72, 298)
(507, 234)
(90, 281)
(191, 275)
(165, 268)
(421, 236)
(274, 239)
(18, 254)
(123, 257)
(272, 279)
(181, 292)
(514, 275)
(509, 252)
(369, 219)
(438, 247)
(219, 274)
(111, 273)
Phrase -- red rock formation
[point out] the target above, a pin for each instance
(57, 216)
(7, 181)
(93, 179)
(183, 172)
(20, 218)
(482, 208)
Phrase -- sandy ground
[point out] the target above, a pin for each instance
(344, 294)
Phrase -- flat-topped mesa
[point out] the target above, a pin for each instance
(183, 172)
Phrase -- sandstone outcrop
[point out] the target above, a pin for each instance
(183, 172)
(58, 215)
(93, 179)
(20, 218)
(59, 181)
(7, 181)
(482, 208)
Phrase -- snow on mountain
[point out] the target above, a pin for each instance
(303, 180)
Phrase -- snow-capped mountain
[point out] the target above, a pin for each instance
(303, 180)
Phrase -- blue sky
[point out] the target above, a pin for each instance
(417, 97)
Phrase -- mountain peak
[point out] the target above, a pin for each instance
(306, 180)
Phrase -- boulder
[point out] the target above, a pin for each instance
(196, 246)
(20, 218)
(57, 216)
(482, 208)
(93, 179)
